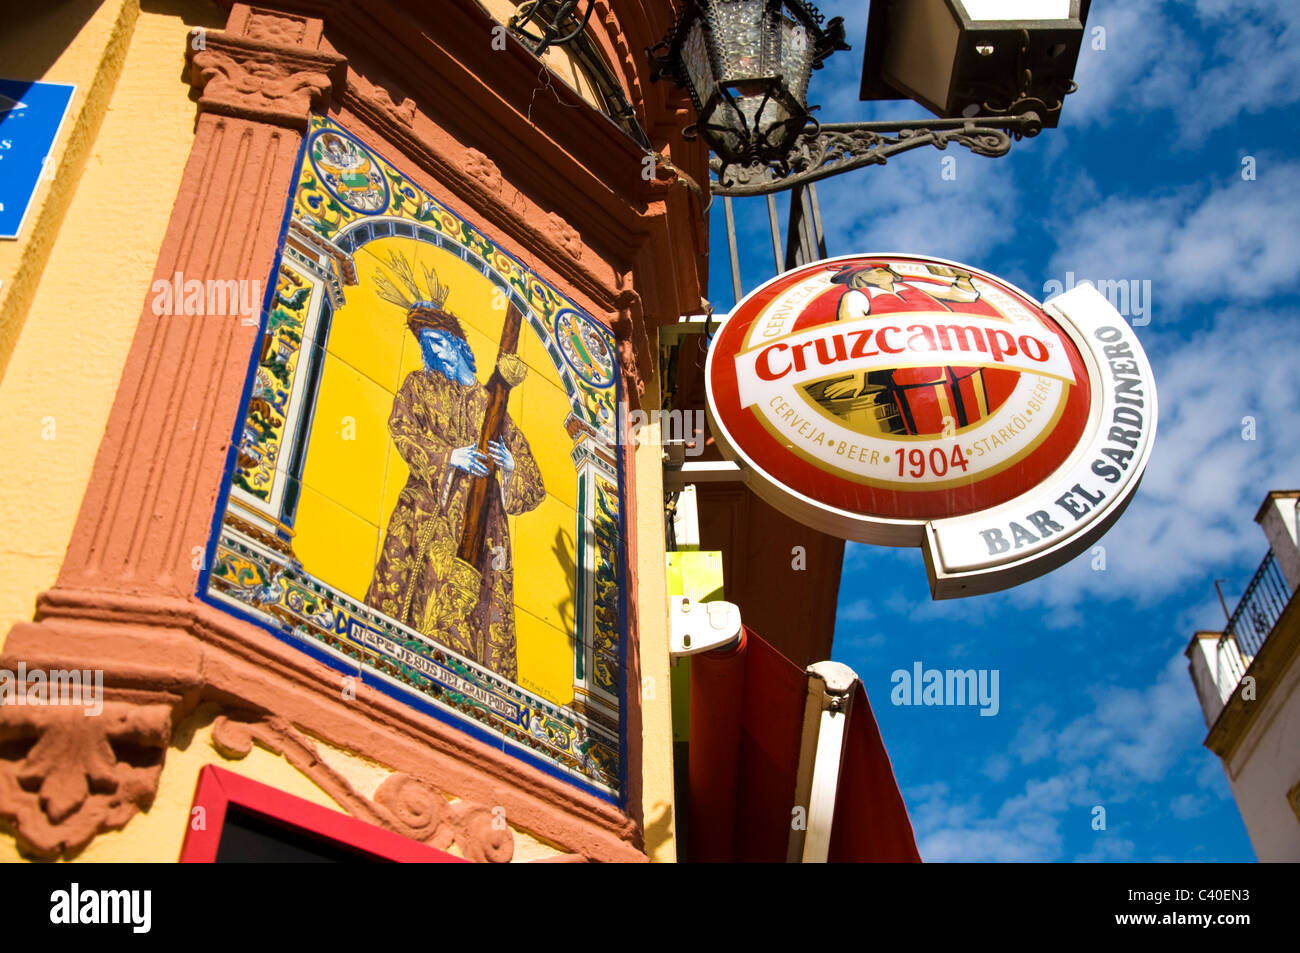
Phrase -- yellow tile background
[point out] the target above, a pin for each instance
(347, 453)
(545, 658)
(545, 555)
(334, 544)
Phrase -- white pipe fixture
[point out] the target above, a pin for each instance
(821, 752)
(686, 519)
(701, 626)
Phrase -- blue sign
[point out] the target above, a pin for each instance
(30, 116)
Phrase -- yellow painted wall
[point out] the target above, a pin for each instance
(69, 308)
(656, 696)
(62, 374)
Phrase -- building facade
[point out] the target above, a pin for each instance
(317, 343)
(1247, 679)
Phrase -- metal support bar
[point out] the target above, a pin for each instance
(818, 235)
(804, 240)
(839, 147)
(687, 324)
(774, 221)
(731, 247)
(710, 471)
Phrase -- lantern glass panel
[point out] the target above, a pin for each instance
(794, 57)
(695, 58)
(776, 125)
(738, 32)
(1017, 9)
(727, 127)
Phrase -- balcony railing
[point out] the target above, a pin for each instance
(1260, 607)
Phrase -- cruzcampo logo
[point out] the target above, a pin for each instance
(874, 395)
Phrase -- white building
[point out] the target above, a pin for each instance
(1248, 680)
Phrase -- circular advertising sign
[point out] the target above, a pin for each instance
(902, 400)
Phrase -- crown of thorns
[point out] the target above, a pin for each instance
(423, 296)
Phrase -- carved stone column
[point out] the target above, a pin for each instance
(120, 604)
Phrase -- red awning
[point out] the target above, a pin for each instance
(747, 727)
(871, 821)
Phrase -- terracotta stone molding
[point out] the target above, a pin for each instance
(558, 154)
(484, 169)
(564, 235)
(244, 79)
(269, 73)
(474, 183)
(67, 776)
(634, 350)
(554, 144)
(402, 804)
(198, 653)
(274, 26)
(148, 504)
(382, 99)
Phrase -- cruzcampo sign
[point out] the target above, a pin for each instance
(910, 401)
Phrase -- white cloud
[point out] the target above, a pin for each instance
(1211, 778)
(949, 829)
(1133, 735)
(911, 207)
(1205, 63)
(1108, 848)
(1185, 807)
(1196, 246)
(1033, 742)
(1191, 520)
(1208, 64)
(1230, 246)
(859, 611)
(1142, 57)
(997, 768)
(1131, 741)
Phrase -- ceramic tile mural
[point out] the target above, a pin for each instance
(424, 491)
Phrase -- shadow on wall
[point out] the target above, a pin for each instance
(562, 549)
(35, 35)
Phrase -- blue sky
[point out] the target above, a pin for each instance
(1143, 180)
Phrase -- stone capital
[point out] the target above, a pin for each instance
(263, 80)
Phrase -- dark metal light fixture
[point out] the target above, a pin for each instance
(746, 65)
(993, 71)
(557, 21)
(974, 58)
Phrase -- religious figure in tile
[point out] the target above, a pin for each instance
(445, 568)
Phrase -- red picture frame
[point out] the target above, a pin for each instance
(218, 789)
